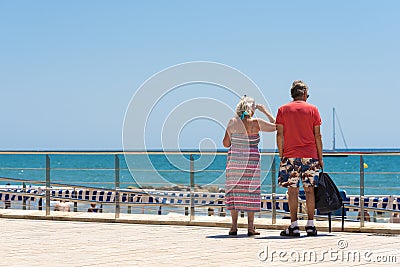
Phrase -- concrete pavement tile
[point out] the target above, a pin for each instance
(142, 245)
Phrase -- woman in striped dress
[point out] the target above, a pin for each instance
(242, 188)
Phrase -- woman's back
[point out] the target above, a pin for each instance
(244, 140)
(247, 126)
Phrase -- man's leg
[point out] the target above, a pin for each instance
(288, 167)
(309, 180)
(293, 199)
(310, 201)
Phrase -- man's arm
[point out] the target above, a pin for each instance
(279, 139)
(318, 142)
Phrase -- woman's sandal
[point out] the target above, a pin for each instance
(252, 232)
(313, 231)
(291, 231)
(233, 232)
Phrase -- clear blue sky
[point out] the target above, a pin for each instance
(68, 69)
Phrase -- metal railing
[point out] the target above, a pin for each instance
(48, 183)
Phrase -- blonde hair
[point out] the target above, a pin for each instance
(245, 105)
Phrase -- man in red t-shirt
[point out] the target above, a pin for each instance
(299, 144)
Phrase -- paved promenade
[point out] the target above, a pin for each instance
(28, 242)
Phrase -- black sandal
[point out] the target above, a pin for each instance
(233, 232)
(252, 232)
(313, 232)
(291, 231)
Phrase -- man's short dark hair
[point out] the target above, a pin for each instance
(298, 88)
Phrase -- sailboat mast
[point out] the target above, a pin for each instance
(333, 130)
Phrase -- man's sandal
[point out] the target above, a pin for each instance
(313, 231)
(291, 231)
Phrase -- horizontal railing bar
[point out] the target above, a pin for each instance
(22, 180)
(56, 183)
(21, 168)
(357, 207)
(53, 184)
(175, 170)
(103, 169)
(136, 170)
(119, 152)
(156, 152)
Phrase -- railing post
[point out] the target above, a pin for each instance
(40, 203)
(24, 196)
(47, 185)
(117, 187)
(361, 191)
(192, 211)
(74, 195)
(273, 189)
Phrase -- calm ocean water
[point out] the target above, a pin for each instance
(382, 177)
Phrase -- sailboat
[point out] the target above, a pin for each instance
(335, 119)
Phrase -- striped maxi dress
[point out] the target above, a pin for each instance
(243, 173)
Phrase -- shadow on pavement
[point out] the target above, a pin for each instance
(293, 237)
(228, 236)
(272, 237)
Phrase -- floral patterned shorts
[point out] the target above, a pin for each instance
(291, 169)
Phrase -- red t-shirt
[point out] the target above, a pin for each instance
(298, 119)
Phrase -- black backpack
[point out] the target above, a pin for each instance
(327, 196)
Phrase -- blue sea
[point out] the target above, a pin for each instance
(382, 172)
